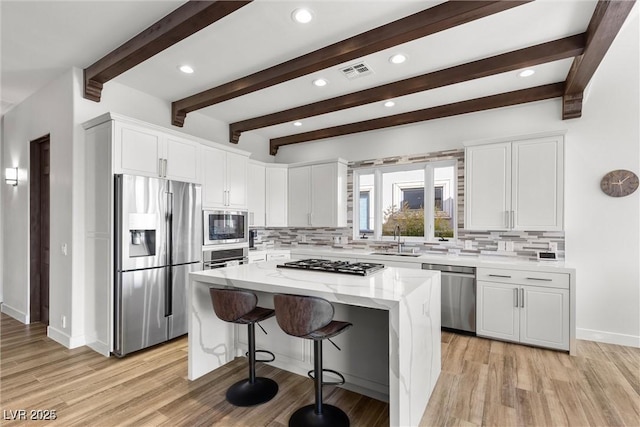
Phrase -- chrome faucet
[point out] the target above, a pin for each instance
(396, 233)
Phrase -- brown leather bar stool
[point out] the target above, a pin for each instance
(239, 306)
(312, 318)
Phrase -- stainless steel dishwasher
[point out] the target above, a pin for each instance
(458, 296)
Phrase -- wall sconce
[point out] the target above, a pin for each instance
(11, 176)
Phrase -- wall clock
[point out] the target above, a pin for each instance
(619, 183)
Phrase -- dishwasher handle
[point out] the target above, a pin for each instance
(465, 275)
(448, 269)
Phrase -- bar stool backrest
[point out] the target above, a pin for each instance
(231, 304)
(300, 315)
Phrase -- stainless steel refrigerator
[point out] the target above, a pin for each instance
(157, 243)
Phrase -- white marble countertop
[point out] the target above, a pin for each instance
(482, 261)
(390, 285)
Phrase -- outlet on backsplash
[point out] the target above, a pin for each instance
(553, 246)
(509, 246)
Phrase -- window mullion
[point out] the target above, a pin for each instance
(377, 215)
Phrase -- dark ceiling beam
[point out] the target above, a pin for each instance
(418, 25)
(186, 20)
(539, 54)
(603, 28)
(507, 99)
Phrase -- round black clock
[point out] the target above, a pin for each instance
(619, 183)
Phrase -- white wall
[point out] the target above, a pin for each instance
(602, 233)
(46, 112)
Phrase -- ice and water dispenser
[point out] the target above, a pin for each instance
(142, 235)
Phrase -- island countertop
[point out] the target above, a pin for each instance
(406, 323)
(385, 287)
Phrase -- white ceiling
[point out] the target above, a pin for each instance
(42, 39)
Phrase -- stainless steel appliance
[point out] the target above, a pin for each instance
(223, 227)
(458, 296)
(219, 258)
(346, 267)
(157, 245)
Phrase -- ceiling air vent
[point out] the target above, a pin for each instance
(356, 70)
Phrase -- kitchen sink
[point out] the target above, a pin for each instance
(394, 254)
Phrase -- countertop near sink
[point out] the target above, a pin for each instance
(486, 261)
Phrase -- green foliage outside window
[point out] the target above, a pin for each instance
(411, 222)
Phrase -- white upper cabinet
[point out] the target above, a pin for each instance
(256, 193)
(318, 195)
(224, 179)
(276, 195)
(515, 185)
(139, 150)
(300, 196)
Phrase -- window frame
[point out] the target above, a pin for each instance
(429, 182)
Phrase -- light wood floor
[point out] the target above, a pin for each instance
(482, 383)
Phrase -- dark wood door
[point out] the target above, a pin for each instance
(39, 226)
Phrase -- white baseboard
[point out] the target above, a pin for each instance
(16, 314)
(64, 339)
(608, 337)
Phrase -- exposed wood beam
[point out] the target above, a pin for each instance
(546, 52)
(186, 20)
(418, 25)
(507, 99)
(605, 24)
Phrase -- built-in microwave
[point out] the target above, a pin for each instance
(221, 227)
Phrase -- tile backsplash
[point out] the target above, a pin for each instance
(525, 244)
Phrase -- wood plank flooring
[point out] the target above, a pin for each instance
(483, 382)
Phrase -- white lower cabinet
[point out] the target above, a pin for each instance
(532, 314)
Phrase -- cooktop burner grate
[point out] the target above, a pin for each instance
(355, 268)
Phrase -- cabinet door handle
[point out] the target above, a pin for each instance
(513, 219)
(160, 168)
(165, 167)
(515, 297)
(542, 279)
(500, 275)
(522, 298)
(506, 219)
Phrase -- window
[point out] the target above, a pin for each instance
(392, 196)
(365, 210)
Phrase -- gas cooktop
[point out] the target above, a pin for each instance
(355, 268)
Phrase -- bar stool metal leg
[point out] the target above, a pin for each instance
(254, 390)
(318, 414)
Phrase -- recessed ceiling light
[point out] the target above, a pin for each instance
(527, 73)
(186, 69)
(302, 16)
(389, 104)
(297, 123)
(320, 82)
(398, 58)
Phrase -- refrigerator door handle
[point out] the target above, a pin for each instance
(168, 291)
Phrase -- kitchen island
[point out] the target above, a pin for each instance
(408, 302)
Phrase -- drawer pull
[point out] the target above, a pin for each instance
(540, 279)
(500, 275)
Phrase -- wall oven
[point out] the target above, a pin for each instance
(219, 258)
(223, 227)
